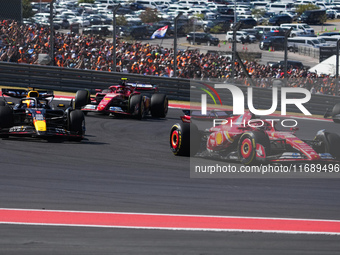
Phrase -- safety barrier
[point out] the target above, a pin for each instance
(68, 79)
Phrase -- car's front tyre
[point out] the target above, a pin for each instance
(76, 125)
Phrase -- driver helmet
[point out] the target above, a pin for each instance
(31, 104)
(123, 81)
(120, 89)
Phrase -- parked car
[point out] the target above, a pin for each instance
(199, 38)
(265, 29)
(313, 17)
(223, 24)
(134, 31)
(246, 23)
(63, 23)
(290, 63)
(297, 27)
(97, 30)
(274, 42)
(294, 43)
(331, 14)
(253, 32)
(241, 36)
(330, 33)
(280, 19)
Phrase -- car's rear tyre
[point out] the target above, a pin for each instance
(77, 124)
(159, 105)
(335, 111)
(6, 117)
(180, 139)
(81, 99)
(247, 146)
(136, 106)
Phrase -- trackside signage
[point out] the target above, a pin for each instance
(239, 100)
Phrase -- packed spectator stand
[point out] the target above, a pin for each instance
(23, 43)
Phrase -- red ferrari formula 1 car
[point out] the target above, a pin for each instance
(132, 99)
(248, 140)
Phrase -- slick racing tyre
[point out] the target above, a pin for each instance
(81, 99)
(159, 105)
(77, 124)
(247, 146)
(6, 117)
(180, 139)
(136, 106)
(330, 143)
(335, 111)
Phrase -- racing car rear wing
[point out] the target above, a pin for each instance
(143, 87)
(21, 93)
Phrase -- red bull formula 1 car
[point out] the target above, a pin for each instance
(34, 116)
(132, 99)
(249, 141)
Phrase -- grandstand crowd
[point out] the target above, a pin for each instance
(23, 43)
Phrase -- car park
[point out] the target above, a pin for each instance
(200, 38)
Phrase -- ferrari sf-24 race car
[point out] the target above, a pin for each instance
(252, 143)
(134, 99)
(34, 116)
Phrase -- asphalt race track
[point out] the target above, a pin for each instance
(125, 165)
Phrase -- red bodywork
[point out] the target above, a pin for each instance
(115, 98)
(226, 135)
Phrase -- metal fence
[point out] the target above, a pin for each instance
(11, 10)
(67, 79)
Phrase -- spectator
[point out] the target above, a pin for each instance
(23, 44)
